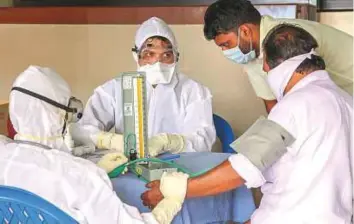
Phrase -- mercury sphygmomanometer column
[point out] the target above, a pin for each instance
(135, 127)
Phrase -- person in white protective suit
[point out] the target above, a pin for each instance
(179, 109)
(35, 161)
(302, 155)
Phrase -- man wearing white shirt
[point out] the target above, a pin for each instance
(302, 154)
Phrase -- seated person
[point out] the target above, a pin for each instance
(179, 109)
(302, 155)
(33, 161)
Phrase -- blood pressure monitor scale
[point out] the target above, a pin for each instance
(135, 127)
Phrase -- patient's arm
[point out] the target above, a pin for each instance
(221, 179)
(218, 180)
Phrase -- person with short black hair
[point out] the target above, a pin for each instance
(302, 154)
(239, 30)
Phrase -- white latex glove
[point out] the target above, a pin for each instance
(83, 149)
(166, 210)
(173, 186)
(111, 161)
(165, 142)
(110, 141)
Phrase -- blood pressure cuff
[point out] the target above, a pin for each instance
(263, 143)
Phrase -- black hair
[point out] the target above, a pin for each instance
(285, 41)
(225, 15)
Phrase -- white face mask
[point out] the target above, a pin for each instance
(158, 73)
(236, 55)
(279, 76)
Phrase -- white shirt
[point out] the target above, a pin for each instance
(312, 182)
(76, 186)
(180, 107)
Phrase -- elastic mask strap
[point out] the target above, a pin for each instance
(238, 40)
(251, 47)
(45, 99)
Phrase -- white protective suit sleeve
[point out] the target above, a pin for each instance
(75, 185)
(98, 119)
(196, 130)
(199, 130)
(103, 206)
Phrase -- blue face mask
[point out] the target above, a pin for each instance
(236, 55)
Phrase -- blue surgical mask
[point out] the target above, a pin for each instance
(236, 55)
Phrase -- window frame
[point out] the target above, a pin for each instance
(334, 5)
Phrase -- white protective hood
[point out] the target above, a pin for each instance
(36, 120)
(153, 27)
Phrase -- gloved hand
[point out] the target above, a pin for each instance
(173, 186)
(83, 149)
(110, 141)
(165, 142)
(166, 210)
(111, 161)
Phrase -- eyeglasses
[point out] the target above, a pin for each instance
(153, 55)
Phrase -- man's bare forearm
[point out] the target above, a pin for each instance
(220, 179)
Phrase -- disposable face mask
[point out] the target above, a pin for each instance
(158, 73)
(236, 55)
(279, 76)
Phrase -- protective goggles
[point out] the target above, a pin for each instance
(74, 108)
(151, 55)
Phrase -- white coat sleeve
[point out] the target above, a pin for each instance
(99, 113)
(100, 204)
(284, 114)
(199, 130)
(250, 173)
